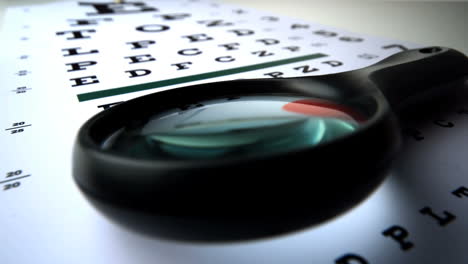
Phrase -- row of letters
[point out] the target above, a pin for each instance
(401, 235)
(106, 9)
(183, 65)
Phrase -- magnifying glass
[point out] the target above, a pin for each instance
(252, 158)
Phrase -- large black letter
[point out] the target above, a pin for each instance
(74, 51)
(325, 33)
(215, 23)
(142, 44)
(118, 8)
(198, 37)
(460, 192)
(138, 73)
(351, 39)
(305, 69)
(292, 48)
(333, 63)
(153, 28)
(442, 220)
(140, 58)
(294, 26)
(86, 22)
(351, 258)
(230, 46)
(76, 34)
(274, 74)
(189, 52)
(78, 66)
(270, 18)
(84, 80)
(268, 41)
(262, 53)
(225, 59)
(242, 32)
(175, 16)
(182, 65)
(399, 234)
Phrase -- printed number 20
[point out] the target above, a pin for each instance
(11, 186)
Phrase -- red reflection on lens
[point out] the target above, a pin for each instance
(322, 109)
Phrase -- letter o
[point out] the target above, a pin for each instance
(153, 28)
(190, 52)
(225, 59)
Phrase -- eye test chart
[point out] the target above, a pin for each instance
(63, 62)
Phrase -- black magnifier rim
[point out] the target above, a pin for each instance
(129, 180)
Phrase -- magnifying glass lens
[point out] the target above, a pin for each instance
(233, 126)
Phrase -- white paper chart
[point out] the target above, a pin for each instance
(63, 62)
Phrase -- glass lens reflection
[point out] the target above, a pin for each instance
(238, 126)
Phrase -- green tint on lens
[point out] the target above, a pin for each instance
(240, 126)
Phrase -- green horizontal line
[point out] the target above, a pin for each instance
(158, 84)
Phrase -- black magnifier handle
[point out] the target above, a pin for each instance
(417, 75)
